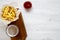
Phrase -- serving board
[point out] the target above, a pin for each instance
(22, 31)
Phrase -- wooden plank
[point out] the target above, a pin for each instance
(22, 31)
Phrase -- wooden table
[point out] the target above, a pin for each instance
(22, 31)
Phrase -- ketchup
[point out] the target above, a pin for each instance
(27, 5)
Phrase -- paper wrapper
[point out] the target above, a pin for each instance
(17, 13)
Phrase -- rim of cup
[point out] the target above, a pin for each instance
(16, 29)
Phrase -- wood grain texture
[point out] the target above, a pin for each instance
(22, 31)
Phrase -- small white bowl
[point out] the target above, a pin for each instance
(12, 30)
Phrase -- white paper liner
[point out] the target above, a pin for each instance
(6, 21)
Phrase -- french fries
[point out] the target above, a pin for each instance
(8, 13)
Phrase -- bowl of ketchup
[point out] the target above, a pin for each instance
(27, 5)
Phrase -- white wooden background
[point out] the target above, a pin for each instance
(42, 21)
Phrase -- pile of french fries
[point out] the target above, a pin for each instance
(8, 13)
